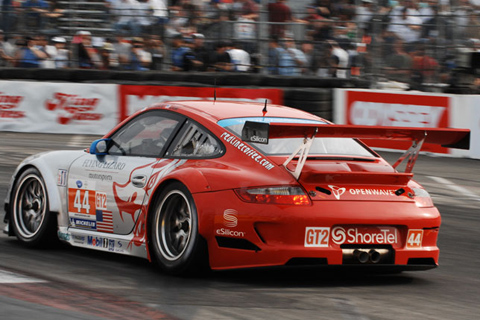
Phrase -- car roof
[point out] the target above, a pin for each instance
(219, 110)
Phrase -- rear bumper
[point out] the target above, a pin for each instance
(261, 235)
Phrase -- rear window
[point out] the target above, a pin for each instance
(286, 146)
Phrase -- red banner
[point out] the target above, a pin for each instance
(398, 110)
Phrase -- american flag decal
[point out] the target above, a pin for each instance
(104, 221)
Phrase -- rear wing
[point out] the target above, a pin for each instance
(446, 137)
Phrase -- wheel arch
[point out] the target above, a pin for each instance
(200, 185)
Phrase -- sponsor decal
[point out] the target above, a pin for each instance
(316, 237)
(231, 233)
(339, 191)
(9, 102)
(81, 201)
(101, 201)
(98, 242)
(249, 152)
(414, 239)
(82, 223)
(322, 236)
(62, 178)
(230, 218)
(72, 107)
(111, 245)
(353, 235)
(102, 177)
(78, 239)
(104, 221)
(79, 184)
(112, 165)
(63, 236)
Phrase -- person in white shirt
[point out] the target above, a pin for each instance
(239, 57)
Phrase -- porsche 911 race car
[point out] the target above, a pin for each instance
(233, 185)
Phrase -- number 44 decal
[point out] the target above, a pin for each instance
(414, 239)
(86, 201)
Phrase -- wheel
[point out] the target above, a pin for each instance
(174, 240)
(32, 222)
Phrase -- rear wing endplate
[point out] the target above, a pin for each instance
(446, 137)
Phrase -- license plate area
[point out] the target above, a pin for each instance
(368, 254)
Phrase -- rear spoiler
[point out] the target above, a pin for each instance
(446, 137)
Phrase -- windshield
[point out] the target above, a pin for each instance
(286, 146)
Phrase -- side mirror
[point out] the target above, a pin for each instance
(99, 147)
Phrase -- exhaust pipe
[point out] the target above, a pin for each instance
(361, 255)
(374, 255)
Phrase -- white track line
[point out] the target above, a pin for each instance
(456, 187)
(10, 277)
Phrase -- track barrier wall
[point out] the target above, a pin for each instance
(93, 107)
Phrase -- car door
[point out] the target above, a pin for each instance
(106, 192)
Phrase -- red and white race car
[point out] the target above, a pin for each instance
(233, 185)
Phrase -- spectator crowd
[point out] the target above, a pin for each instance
(401, 39)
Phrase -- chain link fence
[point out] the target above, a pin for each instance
(402, 45)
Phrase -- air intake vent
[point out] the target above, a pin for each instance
(233, 243)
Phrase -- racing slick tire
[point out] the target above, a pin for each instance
(176, 245)
(32, 222)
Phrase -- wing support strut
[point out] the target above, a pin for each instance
(303, 151)
(412, 154)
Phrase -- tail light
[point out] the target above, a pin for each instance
(422, 198)
(275, 195)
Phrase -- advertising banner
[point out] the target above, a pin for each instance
(57, 107)
(134, 98)
(377, 108)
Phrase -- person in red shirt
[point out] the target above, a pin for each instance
(278, 12)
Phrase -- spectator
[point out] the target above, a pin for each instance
(30, 55)
(160, 15)
(364, 14)
(274, 51)
(182, 56)
(339, 60)
(239, 57)
(324, 8)
(424, 66)
(62, 55)
(406, 23)
(5, 58)
(399, 64)
(247, 9)
(126, 17)
(8, 16)
(221, 60)
(86, 55)
(138, 59)
(109, 57)
(35, 10)
(310, 53)
(155, 47)
(200, 51)
(279, 13)
(245, 33)
(291, 59)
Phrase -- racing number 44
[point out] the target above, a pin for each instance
(414, 239)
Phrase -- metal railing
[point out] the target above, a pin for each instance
(374, 48)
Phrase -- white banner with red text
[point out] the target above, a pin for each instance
(57, 107)
(410, 109)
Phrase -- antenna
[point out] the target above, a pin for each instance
(265, 108)
(214, 90)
